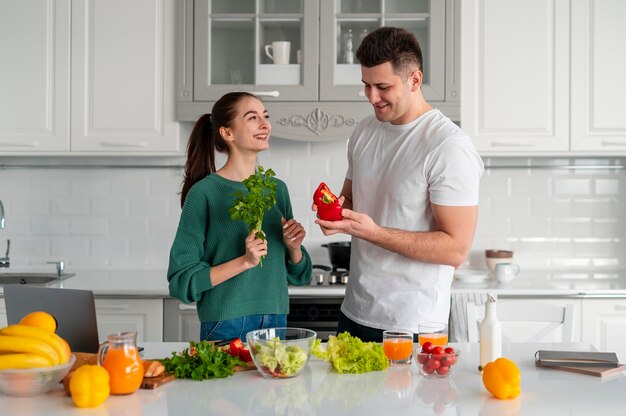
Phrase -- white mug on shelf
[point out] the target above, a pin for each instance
(505, 272)
(280, 52)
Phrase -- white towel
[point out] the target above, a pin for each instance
(457, 328)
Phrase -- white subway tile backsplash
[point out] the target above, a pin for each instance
(127, 217)
(581, 186)
(69, 206)
(110, 206)
(606, 186)
(89, 226)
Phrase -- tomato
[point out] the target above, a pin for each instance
(235, 347)
(422, 358)
(442, 370)
(449, 350)
(433, 363)
(427, 347)
(428, 369)
(244, 354)
(438, 352)
(451, 359)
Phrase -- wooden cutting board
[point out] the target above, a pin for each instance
(151, 383)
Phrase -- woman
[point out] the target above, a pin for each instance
(214, 261)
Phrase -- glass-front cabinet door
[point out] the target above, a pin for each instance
(343, 25)
(267, 47)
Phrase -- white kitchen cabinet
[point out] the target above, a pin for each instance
(320, 96)
(130, 314)
(598, 82)
(34, 76)
(88, 77)
(604, 325)
(541, 77)
(180, 321)
(3, 314)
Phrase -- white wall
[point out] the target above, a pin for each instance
(126, 217)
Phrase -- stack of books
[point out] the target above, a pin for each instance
(600, 364)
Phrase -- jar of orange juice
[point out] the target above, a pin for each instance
(120, 357)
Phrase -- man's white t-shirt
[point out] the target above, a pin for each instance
(397, 171)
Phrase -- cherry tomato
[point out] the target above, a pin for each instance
(427, 347)
(438, 352)
(442, 370)
(433, 363)
(428, 369)
(451, 359)
(449, 350)
(422, 357)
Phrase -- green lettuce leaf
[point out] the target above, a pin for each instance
(348, 354)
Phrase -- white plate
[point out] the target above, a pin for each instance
(470, 276)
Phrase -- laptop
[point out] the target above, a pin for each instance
(74, 310)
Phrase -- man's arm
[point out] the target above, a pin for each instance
(448, 244)
(346, 193)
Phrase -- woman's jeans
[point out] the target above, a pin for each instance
(239, 327)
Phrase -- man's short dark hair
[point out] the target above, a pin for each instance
(391, 44)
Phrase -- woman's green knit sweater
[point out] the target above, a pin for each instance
(207, 236)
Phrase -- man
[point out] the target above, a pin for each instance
(410, 196)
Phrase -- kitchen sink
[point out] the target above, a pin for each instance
(25, 278)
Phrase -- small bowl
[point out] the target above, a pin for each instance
(436, 365)
(33, 381)
(280, 352)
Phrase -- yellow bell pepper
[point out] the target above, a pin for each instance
(89, 386)
(502, 378)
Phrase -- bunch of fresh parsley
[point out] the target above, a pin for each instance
(202, 360)
(261, 197)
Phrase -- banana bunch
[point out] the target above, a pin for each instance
(24, 346)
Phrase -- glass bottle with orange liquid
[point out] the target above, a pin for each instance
(120, 357)
(434, 332)
(398, 347)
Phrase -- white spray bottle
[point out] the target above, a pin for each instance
(490, 334)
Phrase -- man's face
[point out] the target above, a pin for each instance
(388, 93)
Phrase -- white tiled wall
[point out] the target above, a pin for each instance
(126, 217)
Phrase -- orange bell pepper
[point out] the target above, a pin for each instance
(502, 378)
(89, 386)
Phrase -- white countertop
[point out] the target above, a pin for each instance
(320, 391)
(153, 283)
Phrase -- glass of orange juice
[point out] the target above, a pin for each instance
(434, 332)
(398, 347)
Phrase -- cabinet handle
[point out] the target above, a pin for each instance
(266, 93)
(620, 308)
(513, 144)
(183, 307)
(122, 144)
(13, 144)
(118, 307)
(609, 143)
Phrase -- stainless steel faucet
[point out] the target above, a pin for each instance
(5, 261)
(2, 219)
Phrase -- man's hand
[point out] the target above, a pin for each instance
(354, 223)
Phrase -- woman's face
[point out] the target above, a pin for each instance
(251, 128)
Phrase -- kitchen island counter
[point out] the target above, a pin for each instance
(320, 391)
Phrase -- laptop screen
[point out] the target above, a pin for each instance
(73, 309)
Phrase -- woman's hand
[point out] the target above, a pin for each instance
(255, 249)
(293, 235)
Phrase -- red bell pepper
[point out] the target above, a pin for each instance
(328, 207)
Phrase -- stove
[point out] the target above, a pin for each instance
(335, 276)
